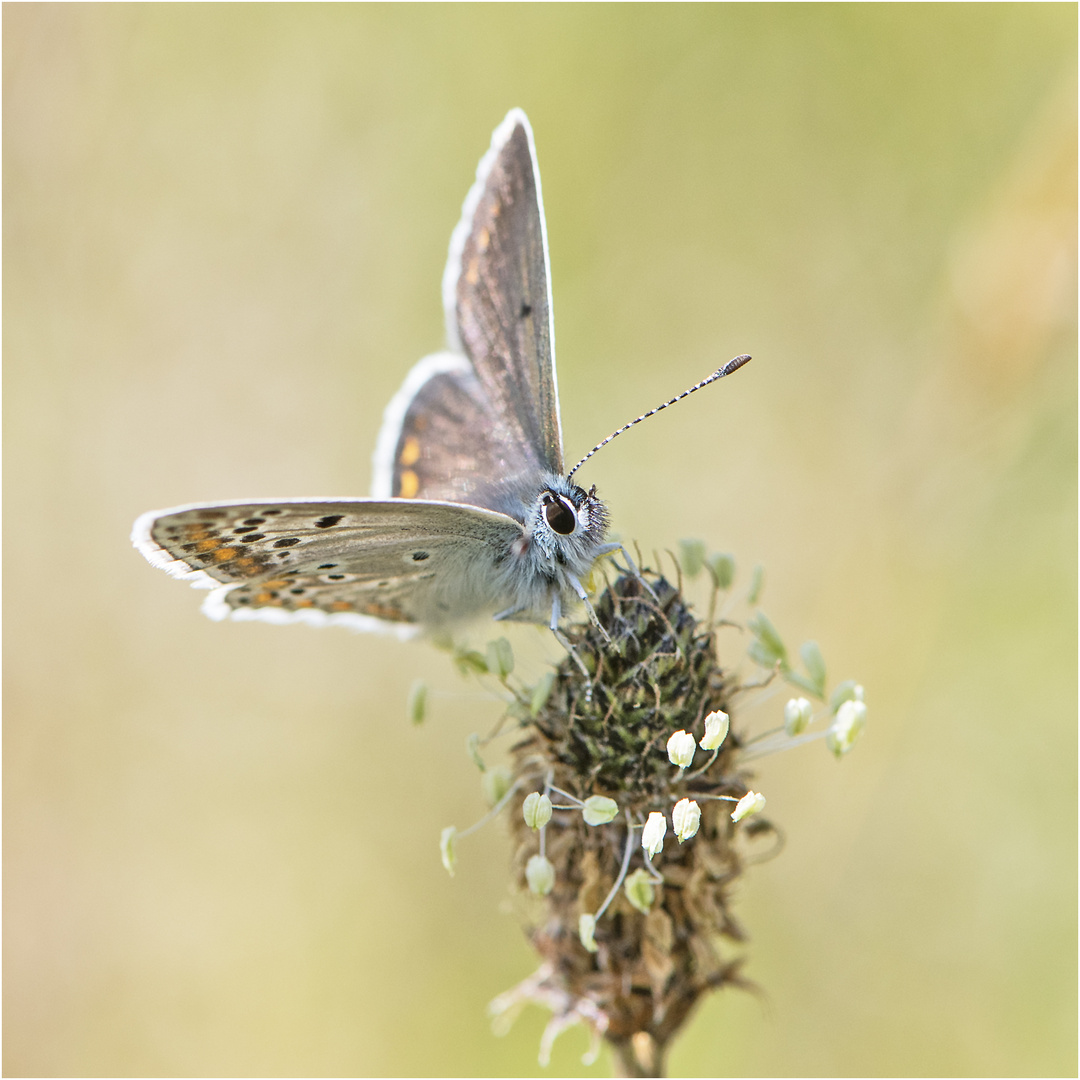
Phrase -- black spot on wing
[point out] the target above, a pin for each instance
(329, 521)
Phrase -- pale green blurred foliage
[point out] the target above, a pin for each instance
(224, 230)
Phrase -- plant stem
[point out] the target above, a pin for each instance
(640, 1055)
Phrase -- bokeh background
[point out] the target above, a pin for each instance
(224, 231)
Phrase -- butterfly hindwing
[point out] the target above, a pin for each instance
(440, 440)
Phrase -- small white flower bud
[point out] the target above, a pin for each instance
(587, 932)
(640, 890)
(685, 818)
(537, 810)
(599, 810)
(540, 875)
(749, 804)
(446, 848)
(652, 836)
(680, 749)
(716, 730)
(849, 722)
(797, 715)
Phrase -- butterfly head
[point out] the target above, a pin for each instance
(566, 522)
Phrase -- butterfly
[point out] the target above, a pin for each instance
(470, 512)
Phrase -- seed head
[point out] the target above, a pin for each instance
(630, 933)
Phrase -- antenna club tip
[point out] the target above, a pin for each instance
(734, 365)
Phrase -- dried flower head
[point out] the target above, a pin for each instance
(650, 951)
(633, 932)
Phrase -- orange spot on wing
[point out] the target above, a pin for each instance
(483, 239)
(225, 554)
(277, 583)
(208, 545)
(384, 611)
(410, 452)
(341, 605)
(409, 484)
(264, 598)
(472, 274)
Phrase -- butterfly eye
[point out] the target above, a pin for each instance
(560, 515)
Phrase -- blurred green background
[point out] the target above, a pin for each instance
(224, 230)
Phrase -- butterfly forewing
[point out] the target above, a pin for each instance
(498, 296)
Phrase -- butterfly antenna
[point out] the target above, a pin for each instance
(727, 369)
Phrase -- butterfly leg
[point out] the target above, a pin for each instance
(607, 549)
(584, 597)
(567, 644)
(556, 610)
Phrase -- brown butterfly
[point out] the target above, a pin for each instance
(471, 512)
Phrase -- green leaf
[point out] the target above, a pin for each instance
(468, 660)
(500, 657)
(541, 692)
(815, 666)
(803, 683)
(768, 640)
(761, 655)
(723, 570)
(495, 783)
(757, 584)
(691, 557)
(472, 745)
(417, 703)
